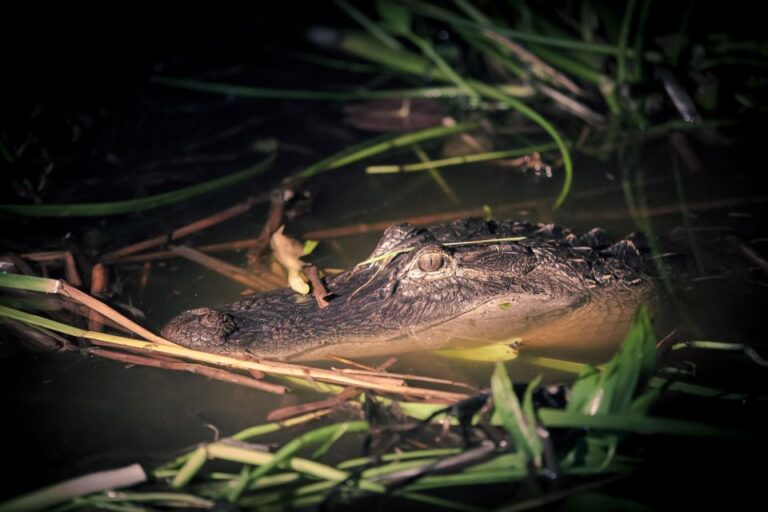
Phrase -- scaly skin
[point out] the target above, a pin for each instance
(433, 294)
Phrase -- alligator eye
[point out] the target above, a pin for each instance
(430, 261)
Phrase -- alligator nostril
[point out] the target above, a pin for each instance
(213, 319)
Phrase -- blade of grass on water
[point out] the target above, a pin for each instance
(381, 144)
(461, 160)
(729, 347)
(143, 203)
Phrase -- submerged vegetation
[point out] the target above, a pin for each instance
(518, 85)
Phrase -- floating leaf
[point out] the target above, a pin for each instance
(288, 252)
(309, 246)
(496, 352)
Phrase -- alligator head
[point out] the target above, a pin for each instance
(424, 293)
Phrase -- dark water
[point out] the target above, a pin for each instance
(65, 414)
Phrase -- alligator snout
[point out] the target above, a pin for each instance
(201, 328)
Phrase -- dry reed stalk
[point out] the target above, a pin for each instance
(194, 227)
(198, 369)
(161, 255)
(70, 270)
(99, 284)
(272, 224)
(263, 282)
(382, 383)
(45, 256)
(334, 401)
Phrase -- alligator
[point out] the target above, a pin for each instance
(465, 283)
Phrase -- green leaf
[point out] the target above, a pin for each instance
(537, 447)
(642, 403)
(29, 283)
(142, 203)
(514, 421)
(593, 452)
(330, 441)
(326, 434)
(381, 144)
(559, 418)
(612, 388)
(584, 389)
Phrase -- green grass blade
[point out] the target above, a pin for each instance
(612, 387)
(514, 421)
(255, 431)
(456, 20)
(328, 443)
(559, 418)
(140, 204)
(747, 350)
(329, 62)
(461, 160)
(246, 91)
(58, 326)
(623, 39)
(317, 436)
(494, 93)
(655, 382)
(427, 49)
(194, 462)
(401, 456)
(363, 47)
(585, 389)
(29, 283)
(368, 24)
(381, 144)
